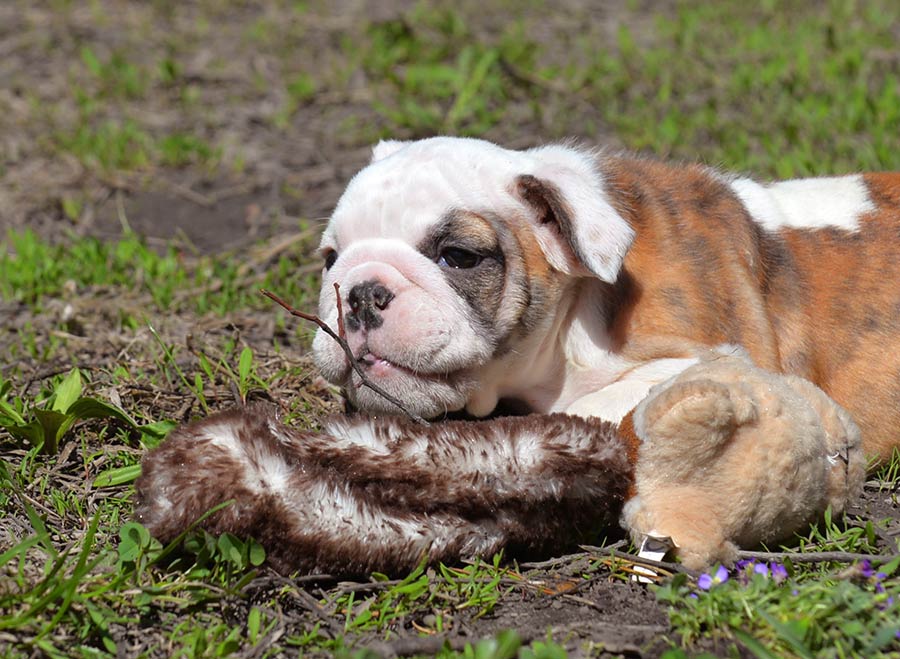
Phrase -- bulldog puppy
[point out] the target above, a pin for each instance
(573, 280)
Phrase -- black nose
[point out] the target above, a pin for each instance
(366, 300)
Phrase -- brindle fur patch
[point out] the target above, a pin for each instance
(803, 301)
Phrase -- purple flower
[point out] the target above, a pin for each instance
(706, 581)
(865, 568)
(880, 575)
(779, 572)
(761, 568)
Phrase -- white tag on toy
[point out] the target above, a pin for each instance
(654, 547)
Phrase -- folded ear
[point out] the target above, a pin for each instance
(578, 229)
(384, 148)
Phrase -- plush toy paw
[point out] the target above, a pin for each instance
(689, 421)
(732, 456)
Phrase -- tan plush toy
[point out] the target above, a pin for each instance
(732, 456)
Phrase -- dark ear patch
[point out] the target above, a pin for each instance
(548, 201)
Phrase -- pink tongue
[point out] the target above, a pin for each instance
(380, 367)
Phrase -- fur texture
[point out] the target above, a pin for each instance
(732, 456)
(382, 493)
(582, 270)
(574, 282)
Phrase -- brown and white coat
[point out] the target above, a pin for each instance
(571, 281)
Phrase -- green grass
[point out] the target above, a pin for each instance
(780, 89)
(774, 88)
(816, 611)
(33, 270)
(437, 78)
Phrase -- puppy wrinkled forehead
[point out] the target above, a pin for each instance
(406, 193)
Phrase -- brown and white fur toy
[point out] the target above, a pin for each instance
(574, 281)
(383, 493)
(729, 455)
(733, 456)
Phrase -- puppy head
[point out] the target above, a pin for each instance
(451, 253)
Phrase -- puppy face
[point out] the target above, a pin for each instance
(451, 253)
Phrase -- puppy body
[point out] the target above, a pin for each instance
(575, 281)
(802, 274)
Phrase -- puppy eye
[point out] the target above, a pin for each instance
(455, 257)
(330, 258)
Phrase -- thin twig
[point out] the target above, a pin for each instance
(816, 556)
(568, 558)
(310, 604)
(422, 645)
(362, 587)
(354, 363)
(342, 332)
(640, 560)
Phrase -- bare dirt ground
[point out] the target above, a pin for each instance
(279, 160)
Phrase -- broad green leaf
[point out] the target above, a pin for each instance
(231, 549)
(134, 537)
(253, 625)
(67, 392)
(245, 364)
(63, 428)
(9, 416)
(117, 476)
(53, 424)
(32, 432)
(153, 433)
(256, 553)
(890, 568)
(91, 408)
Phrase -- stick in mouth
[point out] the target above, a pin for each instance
(340, 337)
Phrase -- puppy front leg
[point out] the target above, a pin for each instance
(614, 401)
